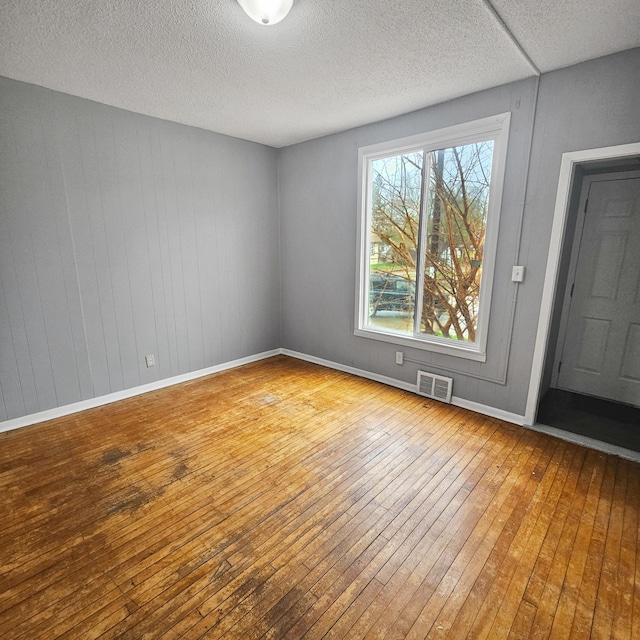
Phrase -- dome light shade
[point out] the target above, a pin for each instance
(266, 11)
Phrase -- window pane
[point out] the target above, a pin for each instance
(457, 213)
(393, 241)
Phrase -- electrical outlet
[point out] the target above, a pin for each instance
(399, 357)
(150, 360)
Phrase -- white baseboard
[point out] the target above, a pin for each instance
(408, 386)
(68, 409)
(76, 407)
(361, 373)
(585, 441)
(483, 409)
(486, 410)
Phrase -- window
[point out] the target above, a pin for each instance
(429, 215)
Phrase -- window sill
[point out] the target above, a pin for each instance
(458, 351)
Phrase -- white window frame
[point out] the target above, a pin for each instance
(494, 128)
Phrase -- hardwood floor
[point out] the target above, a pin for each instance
(286, 500)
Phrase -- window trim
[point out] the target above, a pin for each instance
(495, 128)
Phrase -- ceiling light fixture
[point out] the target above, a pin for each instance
(266, 11)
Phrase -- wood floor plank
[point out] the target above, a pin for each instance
(563, 585)
(479, 513)
(286, 500)
(507, 591)
(514, 562)
(523, 621)
(611, 575)
(547, 557)
(439, 584)
(138, 512)
(200, 593)
(623, 612)
(583, 617)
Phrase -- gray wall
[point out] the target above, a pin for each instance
(123, 235)
(589, 105)
(586, 106)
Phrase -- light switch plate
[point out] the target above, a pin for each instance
(517, 274)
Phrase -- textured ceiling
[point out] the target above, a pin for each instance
(330, 65)
(558, 33)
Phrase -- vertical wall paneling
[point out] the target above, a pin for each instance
(8, 369)
(152, 201)
(12, 380)
(172, 232)
(230, 278)
(16, 373)
(142, 331)
(111, 230)
(85, 212)
(111, 189)
(203, 172)
(222, 256)
(189, 249)
(24, 231)
(51, 241)
(165, 271)
(77, 348)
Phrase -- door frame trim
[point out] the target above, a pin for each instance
(571, 276)
(560, 214)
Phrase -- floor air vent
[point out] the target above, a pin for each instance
(433, 386)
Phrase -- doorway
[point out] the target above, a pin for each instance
(591, 417)
(591, 377)
(598, 350)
